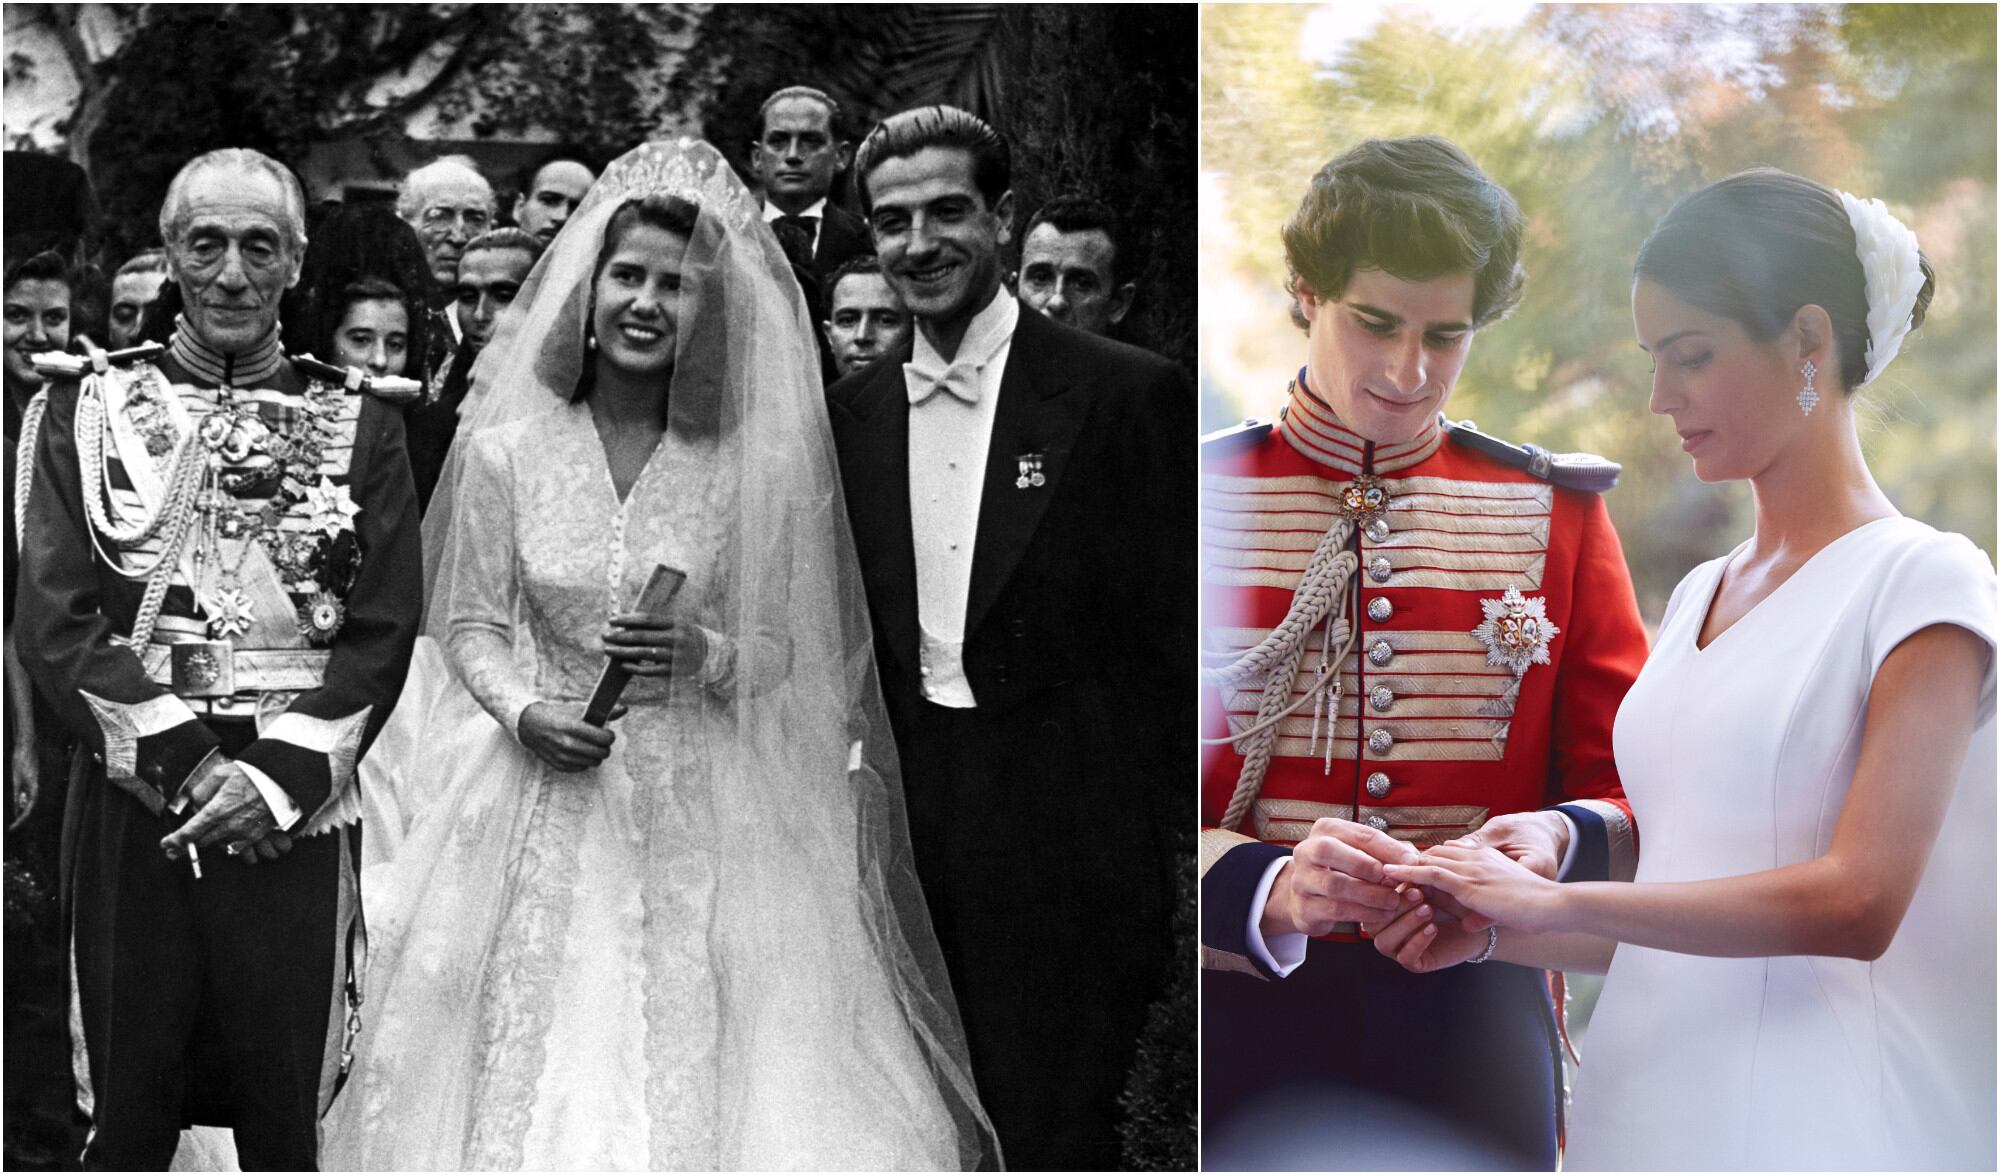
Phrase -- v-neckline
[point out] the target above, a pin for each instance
(604, 462)
(1715, 588)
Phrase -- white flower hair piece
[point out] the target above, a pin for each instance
(1888, 252)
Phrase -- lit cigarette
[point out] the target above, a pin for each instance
(194, 859)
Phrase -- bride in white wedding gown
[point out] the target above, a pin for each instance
(691, 939)
(1803, 975)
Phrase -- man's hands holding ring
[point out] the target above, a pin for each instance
(1335, 875)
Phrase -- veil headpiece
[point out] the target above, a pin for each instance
(818, 911)
(1894, 275)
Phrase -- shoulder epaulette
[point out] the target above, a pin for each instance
(65, 365)
(392, 388)
(1236, 437)
(1571, 471)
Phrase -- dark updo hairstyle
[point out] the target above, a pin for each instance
(671, 214)
(369, 288)
(1756, 246)
(45, 266)
(355, 246)
(1414, 208)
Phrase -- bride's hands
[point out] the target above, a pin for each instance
(562, 739)
(1421, 943)
(651, 644)
(1485, 881)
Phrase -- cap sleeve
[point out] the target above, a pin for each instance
(1939, 579)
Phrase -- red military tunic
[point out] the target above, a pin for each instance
(1432, 737)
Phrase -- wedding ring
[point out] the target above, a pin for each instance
(233, 849)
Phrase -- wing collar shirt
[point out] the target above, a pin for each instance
(951, 425)
(817, 212)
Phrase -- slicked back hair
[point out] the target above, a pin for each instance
(911, 131)
(1416, 209)
(820, 96)
(1081, 214)
(173, 209)
(503, 238)
(148, 261)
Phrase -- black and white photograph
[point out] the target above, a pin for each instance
(600, 587)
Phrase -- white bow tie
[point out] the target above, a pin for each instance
(959, 379)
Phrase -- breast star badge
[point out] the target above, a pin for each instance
(1516, 631)
(333, 507)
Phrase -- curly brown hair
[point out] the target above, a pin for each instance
(1415, 208)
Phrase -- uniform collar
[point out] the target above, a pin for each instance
(1309, 425)
(248, 368)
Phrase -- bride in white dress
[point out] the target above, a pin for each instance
(691, 939)
(1802, 974)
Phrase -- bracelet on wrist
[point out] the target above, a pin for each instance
(1492, 940)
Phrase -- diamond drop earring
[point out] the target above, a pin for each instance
(1808, 398)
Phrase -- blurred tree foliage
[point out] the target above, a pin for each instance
(1097, 100)
(1597, 117)
(280, 77)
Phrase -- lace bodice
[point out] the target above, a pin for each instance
(555, 545)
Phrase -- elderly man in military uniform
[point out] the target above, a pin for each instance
(219, 595)
(1412, 634)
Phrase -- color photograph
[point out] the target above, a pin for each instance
(1598, 603)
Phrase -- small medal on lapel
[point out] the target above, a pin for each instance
(1031, 471)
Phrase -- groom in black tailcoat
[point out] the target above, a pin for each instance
(1022, 496)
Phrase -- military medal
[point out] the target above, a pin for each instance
(1031, 471)
(332, 507)
(229, 614)
(1363, 499)
(320, 618)
(1516, 631)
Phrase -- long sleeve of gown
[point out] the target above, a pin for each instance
(483, 587)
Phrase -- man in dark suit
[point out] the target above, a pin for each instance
(797, 156)
(1022, 497)
(219, 594)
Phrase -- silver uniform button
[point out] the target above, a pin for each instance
(1378, 785)
(1380, 569)
(1380, 741)
(1380, 653)
(1380, 609)
(1377, 530)
(1381, 697)
(1378, 823)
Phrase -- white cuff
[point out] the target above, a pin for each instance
(1569, 854)
(283, 810)
(1282, 953)
(183, 797)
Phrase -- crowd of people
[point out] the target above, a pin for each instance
(343, 520)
